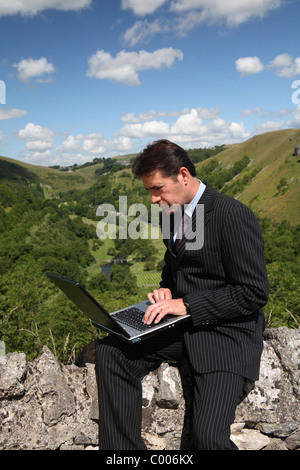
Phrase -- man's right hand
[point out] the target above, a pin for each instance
(159, 294)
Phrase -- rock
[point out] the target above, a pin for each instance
(53, 411)
(293, 441)
(250, 439)
(13, 370)
(168, 395)
(45, 405)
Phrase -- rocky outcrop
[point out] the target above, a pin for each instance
(47, 405)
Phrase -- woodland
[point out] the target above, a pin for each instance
(41, 232)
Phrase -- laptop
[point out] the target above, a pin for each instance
(125, 323)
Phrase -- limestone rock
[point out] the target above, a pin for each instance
(45, 405)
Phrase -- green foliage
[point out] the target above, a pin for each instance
(39, 235)
(198, 155)
(217, 176)
(282, 253)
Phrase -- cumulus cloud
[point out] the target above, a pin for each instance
(270, 126)
(38, 139)
(186, 15)
(233, 12)
(193, 127)
(285, 66)
(94, 145)
(11, 113)
(249, 65)
(35, 132)
(211, 11)
(125, 66)
(33, 7)
(142, 7)
(30, 68)
(148, 116)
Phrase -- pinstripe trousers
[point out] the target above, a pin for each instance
(120, 369)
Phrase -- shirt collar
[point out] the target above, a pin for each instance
(191, 206)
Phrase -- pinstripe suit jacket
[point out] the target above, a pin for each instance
(225, 284)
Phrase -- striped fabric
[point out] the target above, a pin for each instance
(225, 284)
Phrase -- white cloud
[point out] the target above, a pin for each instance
(232, 11)
(147, 129)
(36, 132)
(125, 66)
(249, 65)
(30, 68)
(193, 127)
(41, 158)
(39, 139)
(264, 113)
(269, 126)
(33, 7)
(282, 60)
(248, 112)
(11, 113)
(69, 144)
(142, 7)
(149, 116)
(94, 145)
(203, 113)
(294, 123)
(285, 66)
(188, 14)
(142, 31)
(39, 145)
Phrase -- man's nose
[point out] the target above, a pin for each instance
(155, 199)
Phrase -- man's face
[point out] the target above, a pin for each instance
(166, 191)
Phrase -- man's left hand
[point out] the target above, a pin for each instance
(164, 307)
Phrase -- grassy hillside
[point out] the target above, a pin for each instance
(274, 192)
(48, 223)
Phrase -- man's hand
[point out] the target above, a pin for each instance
(163, 304)
(159, 294)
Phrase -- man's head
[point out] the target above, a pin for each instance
(163, 156)
(168, 173)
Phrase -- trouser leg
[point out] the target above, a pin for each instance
(216, 396)
(120, 368)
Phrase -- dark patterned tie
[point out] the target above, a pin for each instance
(180, 232)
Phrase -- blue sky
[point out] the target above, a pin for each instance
(82, 79)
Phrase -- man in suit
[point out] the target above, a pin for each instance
(220, 281)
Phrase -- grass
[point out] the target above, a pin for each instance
(272, 153)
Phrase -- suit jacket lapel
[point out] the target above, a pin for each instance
(207, 200)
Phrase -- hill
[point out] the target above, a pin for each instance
(269, 183)
(48, 223)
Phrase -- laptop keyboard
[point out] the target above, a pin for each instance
(134, 317)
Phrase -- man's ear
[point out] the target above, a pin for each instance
(183, 174)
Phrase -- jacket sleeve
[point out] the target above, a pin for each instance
(166, 276)
(246, 286)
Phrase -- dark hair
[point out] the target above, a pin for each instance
(164, 156)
